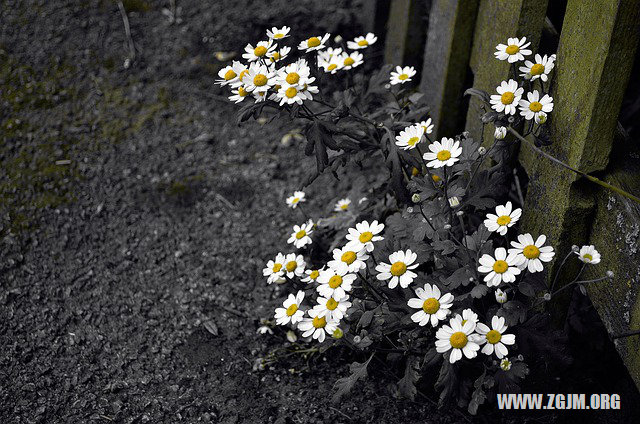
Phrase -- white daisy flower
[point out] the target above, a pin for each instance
(458, 338)
(434, 306)
(259, 79)
(290, 94)
(261, 50)
(347, 259)
(336, 284)
(443, 153)
(227, 75)
(495, 338)
(313, 43)
(276, 33)
(427, 126)
(499, 269)
(410, 137)
(280, 54)
(352, 60)
(402, 75)
(242, 70)
(589, 255)
(468, 316)
(238, 94)
(505, 364)
(332, 65)
(362, 42)
(342, 205)
(297, 197)
(400, 269)
(295, 74)
(290, 312)
(504, 218)
(311, 275)
(508, 96)
(531, 254)
(307, 89)
(300, 236)
(514, 50)
(332, 307)
(328, 53)
(500, 133)
(275, 270)
(264, 329)
(363, 236)
(538, 69)
(534, 105)
(501, 297)
(294, 265)
(316, 326)
(259, 96)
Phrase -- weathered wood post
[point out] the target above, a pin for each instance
(406, 32)
(446, 62)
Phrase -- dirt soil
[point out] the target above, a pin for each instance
(136, 218)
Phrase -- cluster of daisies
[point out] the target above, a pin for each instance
(510, 95)
(265, 76)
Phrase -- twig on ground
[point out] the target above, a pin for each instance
(127, 30)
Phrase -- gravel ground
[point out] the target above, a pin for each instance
(136, 218)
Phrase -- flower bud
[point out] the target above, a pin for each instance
(505, 364)
(501, 297)
(357, 339)
(575, 249)
(447, 226)
(500, 133)
(436, 178)
(291, 336)
(466, 134)
(460, 213)
(540, 118)
(547, 296)
(415, 198)
(610, 274)
(482, 150)
(338, 333)
(454, 201)
(338, 39)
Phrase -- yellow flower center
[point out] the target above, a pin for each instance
(301, 234)
(435, 178)
(335, 281)
(458, 340)
(443, 155)
(363, 43)
(503, 220)
(332, 304)
(535, 106)
(291, 266)
(500, 266)
(291, 92)
(493, 336)
(313, 42)
(319, 322)
(278, 35)
(415, 171)
(314, 274)
(344, 206)
(507, 98)
(349, 61)
(398, 268)
(403, 77)
(293, 78)
(277, 267)
(348, 257)
(531, 252)
(295, 200)
(260, 51)
(365, 237)
(512, 49)
(537, 69)
(259, 80)
(242, 92)
(229, 75)
(292, 309)
(413, 141)
(588, 257)
(431, 306)
(332, 67)
(243, 73)
(275, 56)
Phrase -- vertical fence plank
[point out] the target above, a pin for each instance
(405, 32)
(446, 62)
(496, 21)
(595, 56)
(374, 15)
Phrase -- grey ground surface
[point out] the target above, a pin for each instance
(134, 211)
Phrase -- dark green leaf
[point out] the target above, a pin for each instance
(407, 385)
(345, 384)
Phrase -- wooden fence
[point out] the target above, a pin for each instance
(596, 43)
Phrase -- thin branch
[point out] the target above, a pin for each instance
(127, 30)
